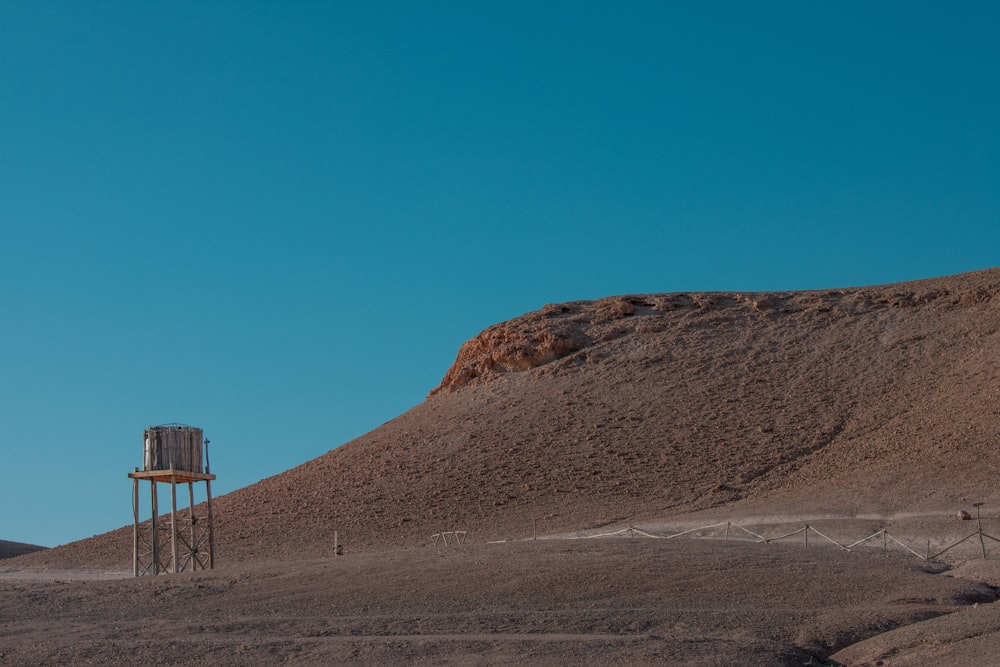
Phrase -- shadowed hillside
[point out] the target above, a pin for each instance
(866, 399)
(11, 549)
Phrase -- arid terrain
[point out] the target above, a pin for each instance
(851, 409)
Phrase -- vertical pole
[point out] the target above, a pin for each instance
(979, 521)
(154, 542)
(135, 526)
(173, 524)
(194, 536)
(534, 529)
(334, 543)
(211, 525)
(807, 534)
(727, 531)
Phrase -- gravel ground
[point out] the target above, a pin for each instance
(536, 602)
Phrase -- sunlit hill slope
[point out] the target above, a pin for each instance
(633, 407)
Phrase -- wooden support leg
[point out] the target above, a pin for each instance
(173, 525)
(135, 527)
(194, 535)
(211, 526)
(154, 542)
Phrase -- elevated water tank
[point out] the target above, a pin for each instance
(172, 447)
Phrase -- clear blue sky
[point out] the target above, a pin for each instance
(279, 220)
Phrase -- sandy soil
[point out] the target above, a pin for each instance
(626, 601)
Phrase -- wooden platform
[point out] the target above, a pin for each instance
(151, 553)
(177, 476)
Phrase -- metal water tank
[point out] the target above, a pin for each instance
(172, 447)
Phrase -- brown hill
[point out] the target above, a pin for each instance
(874, 399)
(11, 549)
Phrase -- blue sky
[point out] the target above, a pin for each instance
(279, 220)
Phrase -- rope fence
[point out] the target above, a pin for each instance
(805, 531)
(457, 537)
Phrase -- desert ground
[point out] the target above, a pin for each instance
(622, 601)
(850, 410)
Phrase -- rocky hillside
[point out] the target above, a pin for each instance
(881, 398)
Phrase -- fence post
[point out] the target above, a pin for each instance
(979, 521)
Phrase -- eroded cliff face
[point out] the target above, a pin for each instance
(538, 338)
(558, 331)
(505, 348)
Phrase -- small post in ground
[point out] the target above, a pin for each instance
(979, 522)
